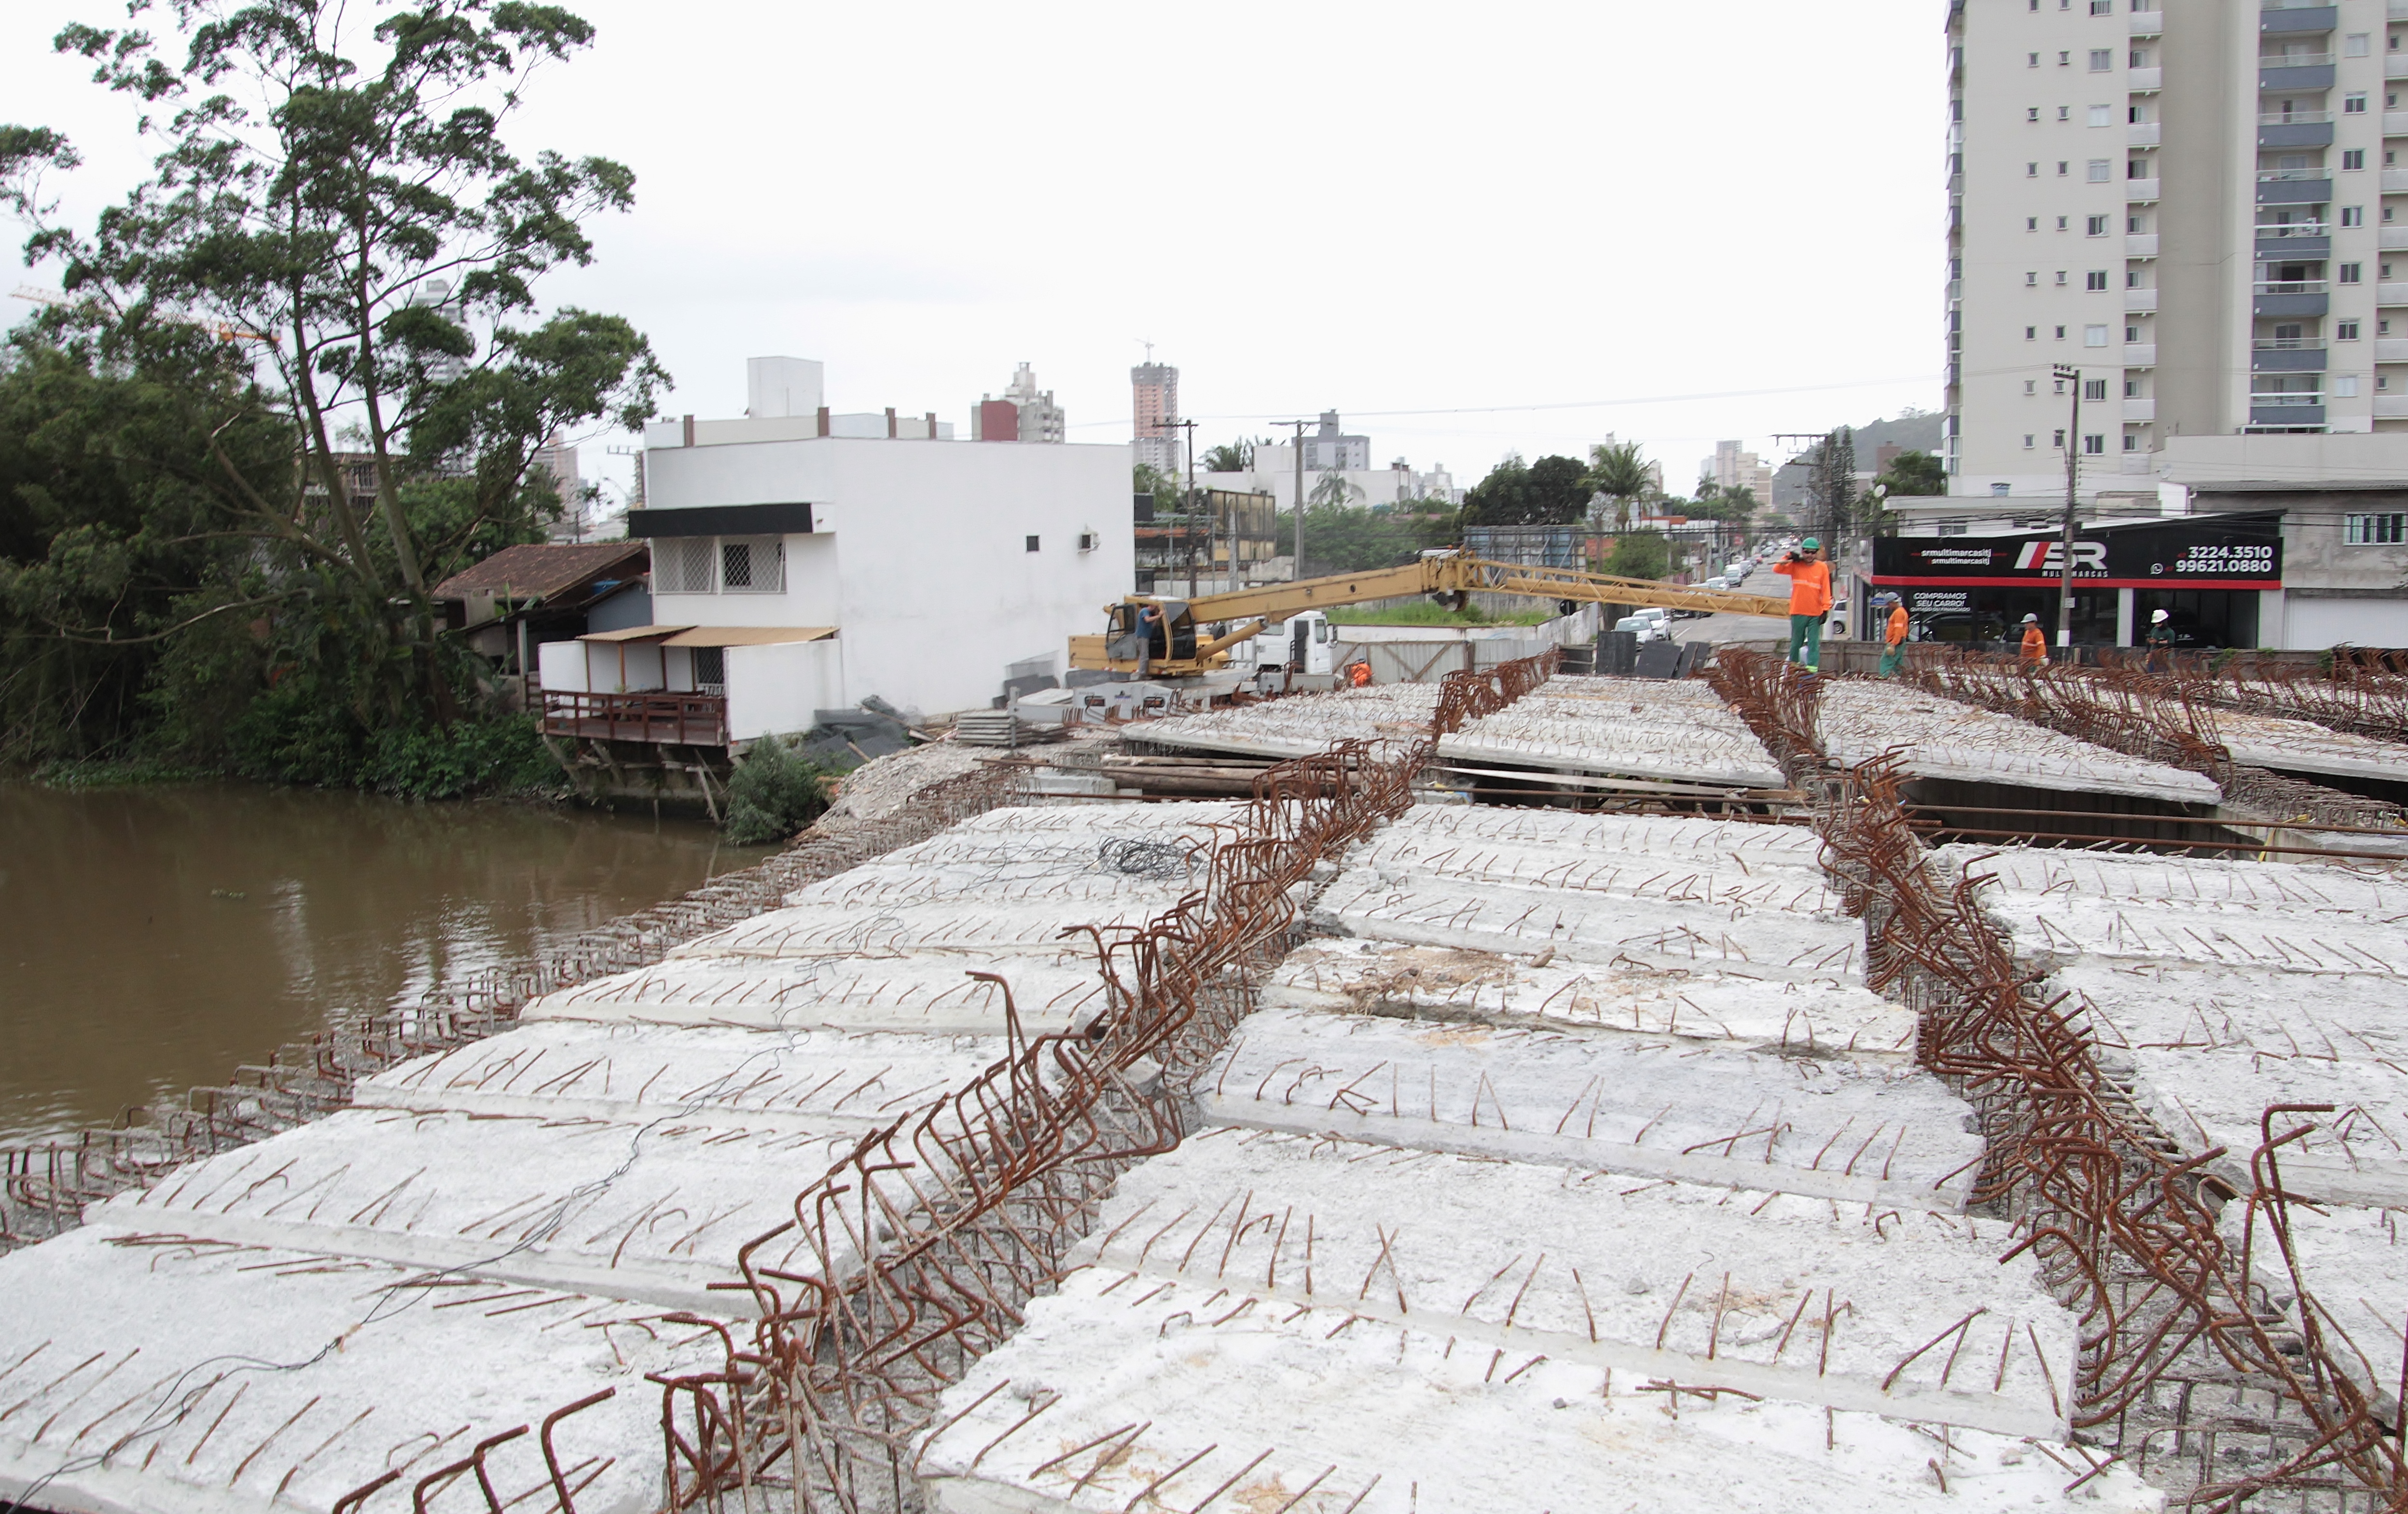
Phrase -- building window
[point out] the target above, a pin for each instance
(752, 565)
(2065, 112)
(2060, 223)
(2140, 59)
(2094, 445)
(2061, 333)
(2031, 281)
(2345, 331)
(2137, 225)
(2132, 389)
(2027, 441)
(2374, 530)
(2352, 273)
(2065, 59)
(2354, 45)
(2353, 105)
(2031, 333)
(2132, 279)
(681, 564)
(2057, 439)
(2102, 7)
(2131, 441)
(2095, 280)
(2132, 334)
(2031, 386)
(2345, 386)
(2032, 113)
(1086, 541)
(2102, 115)
(2032, 223)
(2060, 278)
(2353, 159)
(2095, 226)
(2094, 389)
(2031, 170)
(2101, 60)
(2094, 336)
(2098, 167)
(1032, 544)
(2033, 63)
(2353, 215)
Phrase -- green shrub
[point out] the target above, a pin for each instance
(496, 754)
(773, 793)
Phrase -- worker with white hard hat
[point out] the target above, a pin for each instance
(2035, 647)
(2161, 641)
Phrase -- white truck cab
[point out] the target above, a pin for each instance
(1304, 643)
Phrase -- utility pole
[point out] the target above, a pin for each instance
(2072, 379)
(1300, 426)
(1188, 509)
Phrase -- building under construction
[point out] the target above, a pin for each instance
(1531, 1092)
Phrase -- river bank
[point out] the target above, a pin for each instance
(154, 936)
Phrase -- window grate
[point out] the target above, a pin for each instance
(2374, 530)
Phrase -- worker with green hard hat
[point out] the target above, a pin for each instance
(1810, 600)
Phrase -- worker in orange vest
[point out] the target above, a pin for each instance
(1810, 600)
(1893, 640)
(1359, 672)
(2035, 650)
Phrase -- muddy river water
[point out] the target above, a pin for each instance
(156, 938)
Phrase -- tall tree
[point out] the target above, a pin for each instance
(1550, 491)
(1332, 488)
(1230, 457)
(335, 226)
(1619, 471)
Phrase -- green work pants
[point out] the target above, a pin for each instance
(1806, 633)
(1893, 657)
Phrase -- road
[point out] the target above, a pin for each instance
(1741, 627)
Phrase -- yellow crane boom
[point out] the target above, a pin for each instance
(1450, 576)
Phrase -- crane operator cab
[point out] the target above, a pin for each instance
(1168, 636)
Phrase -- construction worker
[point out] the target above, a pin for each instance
(1359, 672)
(2161, 642)
(1810, 600)
(1893, 637)
(2035, 648)
(1149, 625)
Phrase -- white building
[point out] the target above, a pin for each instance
(795, 570)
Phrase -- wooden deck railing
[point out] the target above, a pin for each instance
(690, 719)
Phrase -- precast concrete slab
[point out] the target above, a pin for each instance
(1790, 1297)
(2354, 1263)
(1119, 1394)
(2292, 746)
(2221, 988)
(1647, 728)
(1942, 738)
(929, 992)
(1457, 836)
(1393, 714)
(810, 1079)
(1864, 1131)
(1800, 1013)
(650, 1213)
(136, 1378)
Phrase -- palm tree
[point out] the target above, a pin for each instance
(1334, 491)
(1619, 472)
(1230, 457)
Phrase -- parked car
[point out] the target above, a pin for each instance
(1962, 628)
(1648, 629)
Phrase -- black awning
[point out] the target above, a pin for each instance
(723, 520)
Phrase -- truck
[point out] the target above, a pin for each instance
(1192, 637)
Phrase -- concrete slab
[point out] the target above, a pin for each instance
(1681, 1281)
(136, 1378)
(1635, 727)
(1863, 1131)
(1942, 738)
(1053, 984)
(1119, 1392)
(1442, 983)
(1443, 836)
(1393, 714)
(2292, 745)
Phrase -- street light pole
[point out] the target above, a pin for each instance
(2072, 379)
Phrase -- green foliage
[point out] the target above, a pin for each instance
(1230, 457)
(1915, 473)
(1145, 478)
(1553, 490)
(1715, 502)
(498, 755)
(1639, 554)
(1332, 488)
(1351, 538)
(1619, 471)
(772, 794)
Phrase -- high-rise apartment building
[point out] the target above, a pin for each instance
(2198, 206)
(1731, 469)
(1025, 413)
(1155, 388)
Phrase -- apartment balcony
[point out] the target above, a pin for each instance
(2142, 134)
(2393, 239)
(2299, 71)
(2301, 297)
(2287, 355)
(2390, 407)
(2391, 350)
(2394, 124)
(2294, 132)
(2135, 463)
(2144, 81)
(2152, 23)
(2391, 293)
(2141, 246)
(2286, 411)
(2140, 355)
(2398, 9)
(2394, 66)
(2140, 302)
(2140, 410)
(2395, 182)
(2302, 239)
(2294, 186)
(2140, 191)
(2297, 20)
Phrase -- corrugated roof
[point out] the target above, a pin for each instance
(542, 570)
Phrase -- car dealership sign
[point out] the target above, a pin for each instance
(2207, 553)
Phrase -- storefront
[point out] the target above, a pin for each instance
(2206, 572)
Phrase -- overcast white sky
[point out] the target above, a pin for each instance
(1471, 229)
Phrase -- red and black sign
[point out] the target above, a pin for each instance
(2193, 553)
